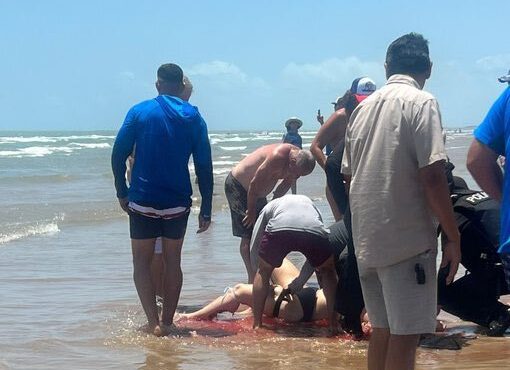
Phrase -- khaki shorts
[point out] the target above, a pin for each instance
(395, 300)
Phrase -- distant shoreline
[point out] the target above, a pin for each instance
(110, 132)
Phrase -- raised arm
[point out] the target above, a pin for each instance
(203, 168)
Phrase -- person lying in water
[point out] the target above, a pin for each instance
(309, 304)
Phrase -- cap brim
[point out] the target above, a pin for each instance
(360, 98)
(504, 79)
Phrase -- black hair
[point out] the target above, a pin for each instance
(348, 102)
(409, 55)
(171, 73)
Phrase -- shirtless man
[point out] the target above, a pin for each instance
(255, 177)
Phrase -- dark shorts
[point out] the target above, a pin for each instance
(237, 198)
(275, 246)
(143, 227)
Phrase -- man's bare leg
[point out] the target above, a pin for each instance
(244, 249)
(401, 354)
(260, 290)
(328, 277)
(378, 348)
(143, 250)
(157, 273)
(172, 280)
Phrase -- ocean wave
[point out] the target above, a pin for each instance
(224, 163)
(231, 148)
(39, 229)
(51, 139)
(215, 140)
(42, 151)
(92, 145)
(221, 171)
(35, 151)
(40, 179)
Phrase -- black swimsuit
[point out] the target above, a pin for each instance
(307, 299)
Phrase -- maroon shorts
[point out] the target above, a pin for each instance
(275, 246)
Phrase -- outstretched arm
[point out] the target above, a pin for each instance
(283, 187)
(304, 275)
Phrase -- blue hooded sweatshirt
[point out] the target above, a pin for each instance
(166, 131)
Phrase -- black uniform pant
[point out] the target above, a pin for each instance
(474, 297)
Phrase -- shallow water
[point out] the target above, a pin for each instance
(67, 299)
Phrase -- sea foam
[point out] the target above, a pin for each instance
(49, 228)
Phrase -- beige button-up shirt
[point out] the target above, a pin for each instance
(392, 134)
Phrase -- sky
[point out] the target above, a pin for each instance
(69, 65)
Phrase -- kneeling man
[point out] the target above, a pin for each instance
(287, 224)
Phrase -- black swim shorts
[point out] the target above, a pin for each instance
(143, 227)
(237, 198)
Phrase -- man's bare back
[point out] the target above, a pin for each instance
(276, 158)
(260, 171)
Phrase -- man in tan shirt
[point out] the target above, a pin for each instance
(394, 157)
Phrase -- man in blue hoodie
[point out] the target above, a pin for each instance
(166, 131)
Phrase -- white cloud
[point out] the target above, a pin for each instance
(499, 62)
(127, 75)
(332, 72)
(225, 74)
(217, 68)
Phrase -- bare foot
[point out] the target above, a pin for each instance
(440, 326)
(162, 330)
(148, 328)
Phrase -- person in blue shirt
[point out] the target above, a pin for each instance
(492, 139)
(292, 136)
(166, 131)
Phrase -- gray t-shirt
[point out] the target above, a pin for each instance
(290, 212)
(391, 135)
